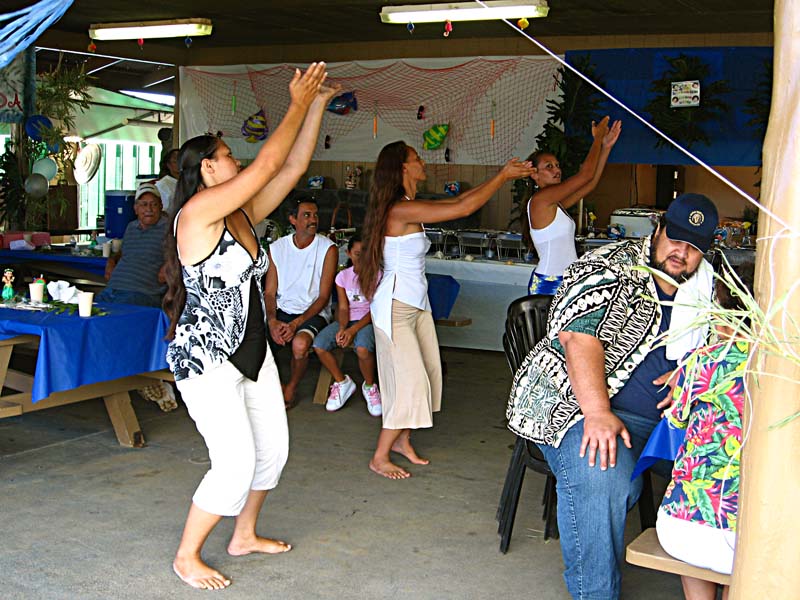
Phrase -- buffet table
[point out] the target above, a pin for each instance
(82, 358)
(487, 288)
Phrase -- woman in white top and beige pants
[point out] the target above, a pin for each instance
(409, 369)
(551, 228)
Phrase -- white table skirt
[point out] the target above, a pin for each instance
(487, 288)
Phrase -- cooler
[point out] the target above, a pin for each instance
(638, 222)
(119, 212)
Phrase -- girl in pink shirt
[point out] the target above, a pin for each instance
(353, 326)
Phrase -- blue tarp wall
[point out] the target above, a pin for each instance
(628, 76)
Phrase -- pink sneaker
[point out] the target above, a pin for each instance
(340, 392)
(373, 397)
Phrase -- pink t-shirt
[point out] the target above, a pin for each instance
(359, 305)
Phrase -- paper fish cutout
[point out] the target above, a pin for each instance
(343, 103)
(255, 129)
(434, 137)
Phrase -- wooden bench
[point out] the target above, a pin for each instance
(325, 378)
(646, 551)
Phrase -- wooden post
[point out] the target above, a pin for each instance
(768, 536)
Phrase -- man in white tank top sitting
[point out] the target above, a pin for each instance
(298, 289)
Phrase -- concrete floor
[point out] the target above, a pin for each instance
(82, 517)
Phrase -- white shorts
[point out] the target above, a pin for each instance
(243, 423)
(696, 544)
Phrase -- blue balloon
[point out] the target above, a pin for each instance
(35, 124)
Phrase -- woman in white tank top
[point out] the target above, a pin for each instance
(551, 228)
(409, 368)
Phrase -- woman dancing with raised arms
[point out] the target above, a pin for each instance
(409, 369)
(551, 229)
(219, 355)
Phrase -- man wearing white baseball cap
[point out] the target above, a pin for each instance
(134, 274)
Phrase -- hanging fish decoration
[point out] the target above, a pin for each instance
(421, 112)
(327, 142)
(434, 137)
(255, 129)
(447, 155)
(343, 103)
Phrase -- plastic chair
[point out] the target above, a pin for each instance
(526, 324)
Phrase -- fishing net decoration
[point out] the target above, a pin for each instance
(468, 96)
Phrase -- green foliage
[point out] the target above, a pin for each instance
(687, 124)
(567, 133)
(60, 94)
(12, 192)
(758, 104)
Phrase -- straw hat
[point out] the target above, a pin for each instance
(87, 163)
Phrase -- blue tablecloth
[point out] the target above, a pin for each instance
(442, 293)
(76, 351)
(663, 444)
(91, 264)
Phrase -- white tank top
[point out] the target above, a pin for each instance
(299, 273)
(555, 244)
(403, 278)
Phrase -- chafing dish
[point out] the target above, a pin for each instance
(510, 244)
(638, 222)
(474, 241)
(441, 239)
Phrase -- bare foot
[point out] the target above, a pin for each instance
(257, 544)
(288, 397)
(194, 572)
(388, 469)
(403, 446)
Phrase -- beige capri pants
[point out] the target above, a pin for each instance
(409, 369)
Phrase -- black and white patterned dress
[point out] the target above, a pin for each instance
(213, 321)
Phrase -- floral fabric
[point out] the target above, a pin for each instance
(708, 403)
(213, 321)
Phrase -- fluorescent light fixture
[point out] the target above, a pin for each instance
(150, 29)
(166, 99)
(464, 11)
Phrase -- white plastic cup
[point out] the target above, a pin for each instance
(116, 245)
(37, 292)
(85, 303)
(106, 249)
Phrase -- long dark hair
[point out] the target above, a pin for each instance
(530, 190)
(190, 157)
(163, 168)
(387, 188)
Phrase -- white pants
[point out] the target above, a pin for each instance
(697, 544)
(244, 426)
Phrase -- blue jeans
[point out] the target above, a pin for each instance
(109, 294)
(364, 338)
(593, 506)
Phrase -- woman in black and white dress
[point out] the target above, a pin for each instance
(222, 365)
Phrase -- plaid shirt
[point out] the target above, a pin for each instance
(603, 296)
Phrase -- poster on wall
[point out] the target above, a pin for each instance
(685, 94)
(17, 87)
(494, 107)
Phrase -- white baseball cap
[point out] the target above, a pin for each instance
(147, 188)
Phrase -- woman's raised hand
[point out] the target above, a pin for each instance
(516, 169)
(326, 92)
(600, 129)
(610, 138)
(304, 88)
